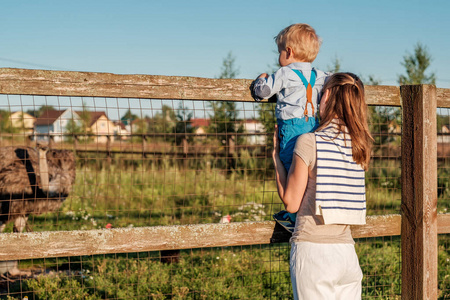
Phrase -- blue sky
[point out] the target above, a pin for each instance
(191, 38)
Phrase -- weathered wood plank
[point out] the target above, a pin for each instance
(388, 225)
(443, 223)
(121, 240)
(382, 95)
(443, 97)
(90, 84)
(419, 193)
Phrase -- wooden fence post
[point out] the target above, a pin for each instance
(419, 193)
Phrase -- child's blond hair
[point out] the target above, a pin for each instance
(303, 40)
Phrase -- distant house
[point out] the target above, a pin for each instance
(22, 121)
(394, 127)
(200, 125)
(55, 123)
(100, 126)
(120, 130)
(139, 126)
(253, 126)
(444, 137)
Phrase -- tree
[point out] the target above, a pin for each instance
(224, 113)
(40, 111)
(384, 120)
(128, 117)
(5, 122)
(229, 69)
(80, 126)
(164, 121)
(73, 128)
(183, 124)
(85, 118)
(416, 65)
(267, 110)
(335, 65)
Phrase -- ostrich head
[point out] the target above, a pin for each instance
(61, 172)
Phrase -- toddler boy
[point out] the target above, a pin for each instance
(297, 86)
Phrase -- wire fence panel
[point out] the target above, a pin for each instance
(443, 153)
(260, 272)
(443, 204)
(83, 163)
(383, 178)
(151, 162)
(444, 266)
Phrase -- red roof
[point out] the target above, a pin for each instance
(94, 115)
(200, 122)
(48, 117)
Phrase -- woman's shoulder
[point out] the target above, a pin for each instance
(305, 147)
(308, 138)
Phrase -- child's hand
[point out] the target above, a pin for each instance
(252, 92)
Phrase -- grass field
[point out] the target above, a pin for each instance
(147, 194)
(260, 272)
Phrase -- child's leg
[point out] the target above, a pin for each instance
(289, 131)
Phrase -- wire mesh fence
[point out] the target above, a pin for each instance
(154, 162)
(443, 204)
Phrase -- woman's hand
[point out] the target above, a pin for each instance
(276, 144)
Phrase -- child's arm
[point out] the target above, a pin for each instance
(266, 86)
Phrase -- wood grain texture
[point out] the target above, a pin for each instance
(419, 193)
(91, 84)
(121, 240)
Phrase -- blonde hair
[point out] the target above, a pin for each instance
(346, 102)
(303, 40)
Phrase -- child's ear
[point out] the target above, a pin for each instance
(289, 52)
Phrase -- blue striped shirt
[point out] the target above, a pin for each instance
(340, 183)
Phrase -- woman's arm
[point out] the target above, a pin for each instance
(291, 187)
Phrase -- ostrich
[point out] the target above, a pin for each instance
(33, 181)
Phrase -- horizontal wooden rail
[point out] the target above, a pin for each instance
(90, 84)
(120, 240)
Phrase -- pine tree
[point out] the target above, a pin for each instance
(416, 65)
(335, 65)
(224, 113)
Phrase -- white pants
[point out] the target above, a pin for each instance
(325, 271)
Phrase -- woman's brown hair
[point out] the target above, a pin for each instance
(346, 103)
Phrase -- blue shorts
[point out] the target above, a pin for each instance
(288, 132)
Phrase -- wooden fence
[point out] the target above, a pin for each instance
(418, 225)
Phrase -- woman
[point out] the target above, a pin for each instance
(323, 262)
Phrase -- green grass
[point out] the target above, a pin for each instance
(150, 196)
(260, 272)
(149, 193)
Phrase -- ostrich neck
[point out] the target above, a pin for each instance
(43, 169)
